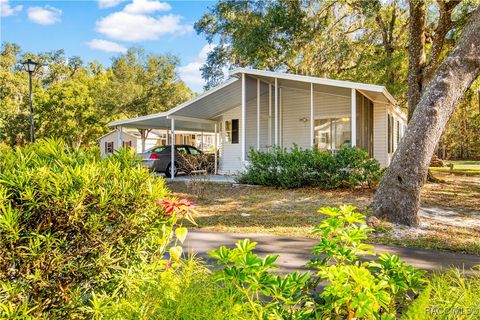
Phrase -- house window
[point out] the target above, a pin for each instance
(228, 131)
(390, 133)
(332, 133)
(398, 132)
(127, 144)
(231, 131)
(109, 147)
(235, 131)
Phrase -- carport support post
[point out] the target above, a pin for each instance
(276, 111)
(353, 120)
(244, 115)
(172, 155)
(258, 114)
(216, 151)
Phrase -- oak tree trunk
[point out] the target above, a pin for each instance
(416, 54)
(398, 197)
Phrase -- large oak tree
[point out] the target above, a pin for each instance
(398, 196)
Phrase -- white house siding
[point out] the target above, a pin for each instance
(295, 106)
(149, 143)
(380, 142)
(113, 137)
(251, 114)
(230, 156)
(264, 119)
(331, 106)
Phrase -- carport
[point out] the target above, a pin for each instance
(196, 115)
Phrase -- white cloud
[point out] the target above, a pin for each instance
(44, 16)
(103, 4)
(7, 10)
(137, 27)
(107, 46)
(191, 74)
(146, 6)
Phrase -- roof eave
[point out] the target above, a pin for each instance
(323, 81)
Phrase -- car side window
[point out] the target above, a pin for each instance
(182, 150)
(194, 151)
(163, 150)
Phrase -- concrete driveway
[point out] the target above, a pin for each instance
(295, 252)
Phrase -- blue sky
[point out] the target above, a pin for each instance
(100, 29)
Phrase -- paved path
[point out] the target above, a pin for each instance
(295, 252)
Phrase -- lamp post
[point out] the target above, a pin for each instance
(31, 66)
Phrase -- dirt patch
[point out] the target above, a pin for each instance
(449, 220)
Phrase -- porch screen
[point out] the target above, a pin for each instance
(332, 133)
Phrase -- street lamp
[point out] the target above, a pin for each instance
(31, 66)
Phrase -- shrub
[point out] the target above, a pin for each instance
(69, 221)
(185, 291)
(378, 289)
(454, 295)
(349, 167)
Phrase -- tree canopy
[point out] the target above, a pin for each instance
(75, 101)
(362, 40)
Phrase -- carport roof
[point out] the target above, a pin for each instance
(198, 114)
(197, 118)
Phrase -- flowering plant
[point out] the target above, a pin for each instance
(177, 209)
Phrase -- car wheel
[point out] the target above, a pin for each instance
(168, 171)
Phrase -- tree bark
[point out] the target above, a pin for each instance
(398, 196)
(143, 136)
(416, 50)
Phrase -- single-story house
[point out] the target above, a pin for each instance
(260, 109)
(111, 141)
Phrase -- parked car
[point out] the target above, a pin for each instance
(187, 159)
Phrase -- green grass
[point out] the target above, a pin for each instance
(460, 167)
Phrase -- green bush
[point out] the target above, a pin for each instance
(281, 168)
(186, 291)
(378, 289)
(68, 222)
(454, 295)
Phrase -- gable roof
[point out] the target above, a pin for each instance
(316, 80)
(197, 113)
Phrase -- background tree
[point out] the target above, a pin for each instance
(75, 102)
(354, 40)
(141, 84)
(14, 123)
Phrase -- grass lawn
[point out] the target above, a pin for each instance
(293, 212)
(460, 167)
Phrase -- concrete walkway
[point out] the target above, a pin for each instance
(295, 252)
(214, 178)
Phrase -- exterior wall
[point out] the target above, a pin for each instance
(399, 120)
(380, 138)
(113, 137)
(251, 116)
(296, 105)
(230, 154)
(149, 143)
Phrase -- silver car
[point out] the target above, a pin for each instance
(187, 159)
